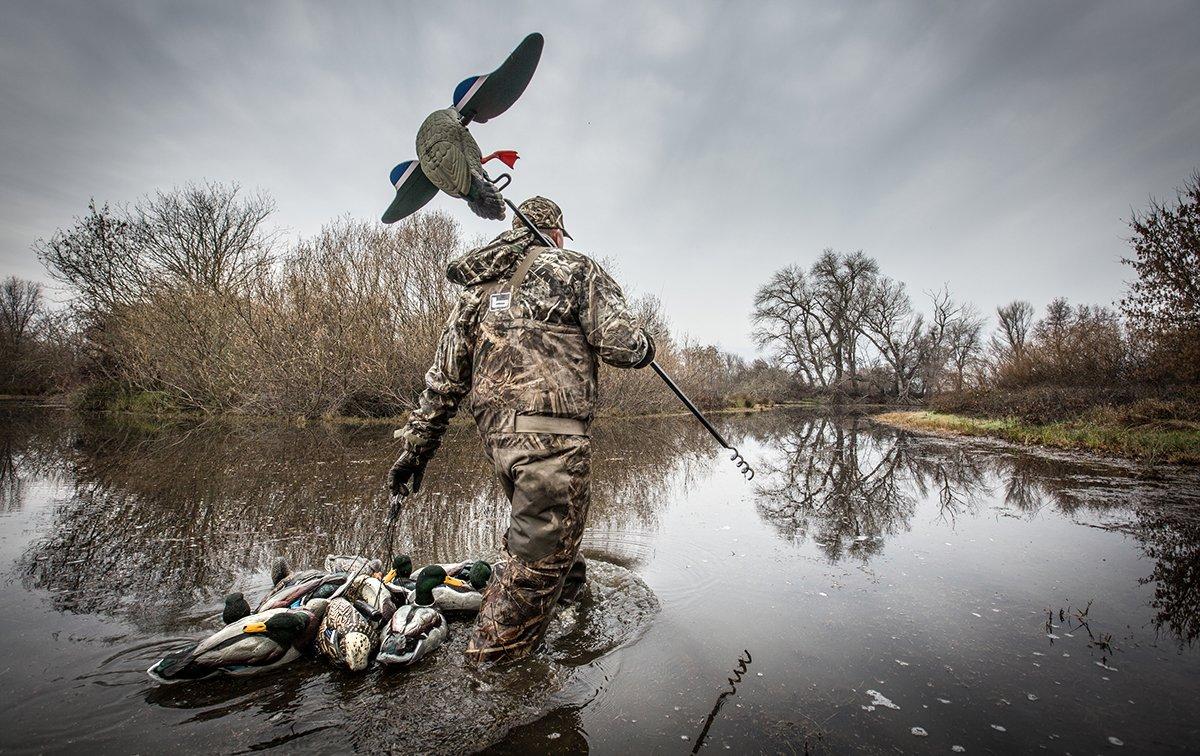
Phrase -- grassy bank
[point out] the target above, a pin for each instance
(1171, 441)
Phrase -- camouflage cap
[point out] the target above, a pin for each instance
(544, 213)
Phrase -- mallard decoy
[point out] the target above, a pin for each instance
(372, 599)
(263, 641)
(236, 608)
(417, 629)
(299, 588)
(461, 591)
(451, 158)
(353, 564)
(346, 636)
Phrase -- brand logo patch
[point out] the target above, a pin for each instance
(500, 300)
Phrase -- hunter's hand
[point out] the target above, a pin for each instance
(405, 475)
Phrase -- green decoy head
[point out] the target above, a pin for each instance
(428, 579)
(479, 574)
(401, 568)
(282, 628)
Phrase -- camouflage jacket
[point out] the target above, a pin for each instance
(535, 356)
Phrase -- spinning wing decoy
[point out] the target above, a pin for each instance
(450, 157)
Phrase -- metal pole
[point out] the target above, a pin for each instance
(743, 466)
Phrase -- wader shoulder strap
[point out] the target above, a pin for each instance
(518, 276)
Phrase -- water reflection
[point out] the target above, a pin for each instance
(847, 484)
(151, 525)
(173, 518)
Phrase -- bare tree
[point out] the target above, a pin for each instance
(20, 303)
(205, 236)
(1014, 320)
(789, 322)
(98, 261)
(1163, 303)
(964, 345)
(812, 321)
(843, 284)
(892, 326)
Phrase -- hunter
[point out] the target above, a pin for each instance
(524, 338)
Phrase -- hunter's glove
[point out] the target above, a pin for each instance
(646, 360)
(405, 475)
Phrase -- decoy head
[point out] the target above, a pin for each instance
(236, 608)
(280, 570)
(283, 627)
(479, 574)
(401, 568)
(428, 579)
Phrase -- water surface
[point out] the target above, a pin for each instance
(868, 582)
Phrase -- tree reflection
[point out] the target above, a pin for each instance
(847, 484)
(161, 520)
(1171, 537)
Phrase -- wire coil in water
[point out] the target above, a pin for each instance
(743, 466)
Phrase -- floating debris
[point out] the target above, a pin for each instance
(1115, 741)
(554, 736)
(878, 699)
(999, 728)
(919, 732)
(1031, 696)
(958, 749)
(1102, 665)
(1052, 636)
(944, 700)
(902, 663)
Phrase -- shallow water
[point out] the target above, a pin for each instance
(866, 584)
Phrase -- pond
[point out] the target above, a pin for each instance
(869, 590)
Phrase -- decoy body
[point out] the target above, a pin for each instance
(451, 159)
(346, 636)
(417, 628)
(298, 588)
(263, 641)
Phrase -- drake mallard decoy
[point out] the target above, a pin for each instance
(461, 590)
(236, 608)
(346, 636)
(263, 641)
(418, 628)
(451, 158)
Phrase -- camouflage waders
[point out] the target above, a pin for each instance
(547, 479)
(524, 339)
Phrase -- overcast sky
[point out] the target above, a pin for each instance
(994, 147)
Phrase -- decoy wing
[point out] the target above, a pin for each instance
(413, 191)
(480, 98)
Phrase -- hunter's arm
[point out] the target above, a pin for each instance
(617, 336)
(447, 381)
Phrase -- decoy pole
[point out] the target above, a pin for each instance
(742, 465)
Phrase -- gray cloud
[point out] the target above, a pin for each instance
(994, 147)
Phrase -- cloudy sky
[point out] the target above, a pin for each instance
(996, 147)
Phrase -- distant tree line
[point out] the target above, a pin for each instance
(843, 328)
(190, 300)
